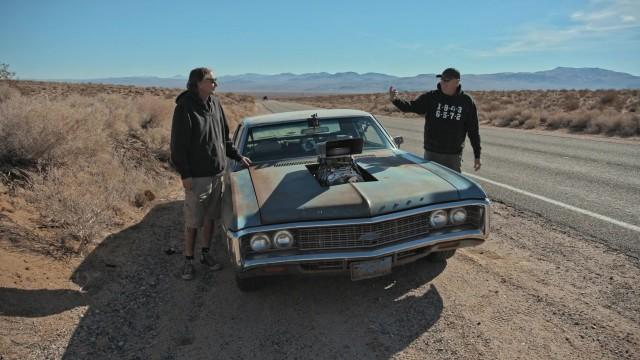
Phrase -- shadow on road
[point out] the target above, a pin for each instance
(140, 308)
(38, 303)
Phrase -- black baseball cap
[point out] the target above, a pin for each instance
(450, 73)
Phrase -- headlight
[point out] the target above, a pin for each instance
(458, 216)
(283, 239)
(259, 242)
(438, 218)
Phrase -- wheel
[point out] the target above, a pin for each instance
(247, 284)
(441, 256)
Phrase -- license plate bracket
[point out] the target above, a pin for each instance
(371, 269)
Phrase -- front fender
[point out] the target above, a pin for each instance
(239, 203)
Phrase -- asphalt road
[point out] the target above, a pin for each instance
(589, 184)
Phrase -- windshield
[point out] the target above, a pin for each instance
(297, 139)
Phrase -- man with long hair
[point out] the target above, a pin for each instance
(200, 145)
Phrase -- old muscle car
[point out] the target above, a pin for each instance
(330, 191)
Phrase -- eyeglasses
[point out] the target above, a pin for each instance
(212, 80)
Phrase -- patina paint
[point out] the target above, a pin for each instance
(291, 193)
(239, 205)
(402, 184)
(467, 188)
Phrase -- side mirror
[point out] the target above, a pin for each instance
(398, 140)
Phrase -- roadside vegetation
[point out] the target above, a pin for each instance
(78, 161)
(605, 112)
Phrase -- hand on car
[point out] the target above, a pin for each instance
(476, 165)
(245, 161)
(393, 93)
(186, 183)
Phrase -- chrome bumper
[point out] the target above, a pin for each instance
(426, 245)
(466, 238)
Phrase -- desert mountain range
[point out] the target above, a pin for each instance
(352, 82)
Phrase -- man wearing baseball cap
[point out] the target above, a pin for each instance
(450, 115)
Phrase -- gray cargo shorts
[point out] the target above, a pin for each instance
(202, 202)
(452, 161)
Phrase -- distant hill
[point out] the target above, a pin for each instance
(351, 82)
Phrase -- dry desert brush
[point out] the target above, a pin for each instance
(90, 164)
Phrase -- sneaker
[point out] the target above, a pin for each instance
(188, 271)
(208, 261)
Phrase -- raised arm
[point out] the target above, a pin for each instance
(418, 105)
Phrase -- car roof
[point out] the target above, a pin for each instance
(301, 115)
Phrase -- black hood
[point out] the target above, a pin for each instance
(182, 95)
(191, 97)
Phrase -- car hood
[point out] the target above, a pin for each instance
(288, 191)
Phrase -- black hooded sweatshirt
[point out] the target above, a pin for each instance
(448, 119)
(200, 136)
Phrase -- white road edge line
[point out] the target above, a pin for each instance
(558, 203)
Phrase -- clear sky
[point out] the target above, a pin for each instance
(58, 39)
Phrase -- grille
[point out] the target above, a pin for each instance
(364, 235)
(295, 162)
(371, 235)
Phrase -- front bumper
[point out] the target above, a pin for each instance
(335, 261)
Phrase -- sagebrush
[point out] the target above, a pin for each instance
(89, 158)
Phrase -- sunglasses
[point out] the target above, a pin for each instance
(212, 80)
(447, 79)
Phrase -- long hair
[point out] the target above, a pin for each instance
(195, 76)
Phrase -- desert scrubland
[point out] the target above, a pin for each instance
(89, 203)
(601, 112)
(80, 160)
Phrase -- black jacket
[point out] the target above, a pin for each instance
(448, 119)
(200, 136)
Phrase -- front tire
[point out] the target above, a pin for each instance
(441, 256)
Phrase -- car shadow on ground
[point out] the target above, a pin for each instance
(139, 307)
(334, 317)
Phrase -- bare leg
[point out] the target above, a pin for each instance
(207, 232)
(189, 240)
(206, 242)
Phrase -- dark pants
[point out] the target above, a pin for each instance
(452, 161)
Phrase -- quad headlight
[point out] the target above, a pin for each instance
(260, 242)
(283, 239)
(458, 216)
(438, 218)
(455, 216)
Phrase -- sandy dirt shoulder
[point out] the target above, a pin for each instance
(534, 290)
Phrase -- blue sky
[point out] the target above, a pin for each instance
(92, 39)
